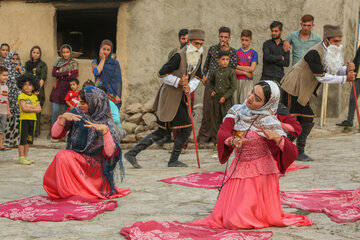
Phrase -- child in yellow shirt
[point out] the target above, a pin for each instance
(29, 106)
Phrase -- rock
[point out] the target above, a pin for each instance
(141, 135)
(146, 128)
(136, 118)
(127, 116)
(149, 119)
(141, 123)
(139, 129)
(122, 116)
(129, 139)
(148, 106)
(134, 108)
(129, 127)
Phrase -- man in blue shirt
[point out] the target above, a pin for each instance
(303, 39)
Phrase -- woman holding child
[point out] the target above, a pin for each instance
(87, 167)
(13, 64)
(250, 195)
(64, 69)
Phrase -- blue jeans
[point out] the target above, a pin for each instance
(352, 105)
(56, 111)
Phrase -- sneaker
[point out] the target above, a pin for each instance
(345, 123)
(24, 161)
(29, 160)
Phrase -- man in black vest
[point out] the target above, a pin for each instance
(180, 75)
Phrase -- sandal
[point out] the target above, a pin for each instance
(202, 145)
(5, 149)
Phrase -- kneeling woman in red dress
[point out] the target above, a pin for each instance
(250, 195)
(87, 167)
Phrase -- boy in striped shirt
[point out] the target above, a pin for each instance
(247, 59)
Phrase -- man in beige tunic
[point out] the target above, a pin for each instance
(180, 75)
(323, 63)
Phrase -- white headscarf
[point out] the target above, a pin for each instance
(262, 117)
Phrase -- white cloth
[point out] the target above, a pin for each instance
(246, 118)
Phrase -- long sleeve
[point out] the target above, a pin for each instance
(207, 63)
(285, 155)
(286, 61)
(295, 127)
(58, 131)
(331, 79)
(233, 82)
(119, 80)
(225, 131)
(43, 71)
(168, 68)
(268, 57)
(109, 145)
(193, 83)
(94, 68)
(58, 74)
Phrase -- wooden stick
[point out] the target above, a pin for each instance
(324, 104)
(356, 103)
(193, 128)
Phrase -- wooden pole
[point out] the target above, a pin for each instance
(324, 104)
(356, 103)
(193, 128)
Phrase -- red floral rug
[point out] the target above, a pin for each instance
(340, 205)
(168, 230)
(42, 208)
(210, 180)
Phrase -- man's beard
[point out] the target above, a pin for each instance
(275, 37)
(333, 59)
(192, 57)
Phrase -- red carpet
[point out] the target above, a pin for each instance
(210, 180)
(42, 208)
(340, 205)
(168, 230)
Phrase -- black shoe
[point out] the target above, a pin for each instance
(176, 164)
(345, 123)
(132, 159)
(303, 157)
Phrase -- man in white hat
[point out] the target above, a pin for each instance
(323, 63)
(180, 75)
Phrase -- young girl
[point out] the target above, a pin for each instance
(4, 51)
(29, 106)
(13, 64)
(64, 70)
(250, 196)
(107, 72)
(39, 69)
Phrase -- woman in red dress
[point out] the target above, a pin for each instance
(250, 195)
(87, 167)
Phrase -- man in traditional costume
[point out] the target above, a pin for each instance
(323, 63)
(180, 75)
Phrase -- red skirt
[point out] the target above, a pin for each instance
(248, 203)
(66, 176)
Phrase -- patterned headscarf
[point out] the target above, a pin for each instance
(14, 91)
(90, 143)
(66, 65)
(262, 117)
